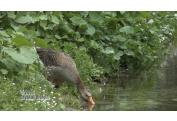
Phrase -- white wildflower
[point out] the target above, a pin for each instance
(150, 21)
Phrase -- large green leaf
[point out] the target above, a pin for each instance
(4, 34)
(24, 19)
(26, 55)
(21, 41)
(11, 14)
(4, 71)
(55, 20)
(108, 50)
(78, 20)
(41, 43)
(130, 53)
(43, 17)
(10, 64)
(96, 18)
(67, 28)
(91, 30)
(94, 44)
(80, 40)
(118, 55)
(121, 38)
(43, 24)
(127, 30)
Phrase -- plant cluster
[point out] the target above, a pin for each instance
(100, 43)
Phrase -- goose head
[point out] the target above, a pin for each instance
(86, 95)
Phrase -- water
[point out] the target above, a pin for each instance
(153, 90)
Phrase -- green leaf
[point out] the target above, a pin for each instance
(24, 19)
(43, 24)
(57, 37)
(55, 20)
(124, 47)
(67, 28)
(4, 71)
(118, 55)
(10, 64)
(127, 30)
(91, 30)
(94, 44)
(2, 15)
(62, 106)
(130, 53)
(122, 12)
(21, 41)
(108, 50)
(96, 18)
(43, 17)
(11, 15)
(4, 34)
(78, 21)
(27, 33)
(41, 43)
(26, 55)
(120, 38)
(80, 40)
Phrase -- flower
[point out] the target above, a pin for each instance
(13, 83)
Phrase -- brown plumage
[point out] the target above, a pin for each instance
(61, 67)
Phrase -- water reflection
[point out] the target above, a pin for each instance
(155, 90)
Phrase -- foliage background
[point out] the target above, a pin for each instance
(101, 43)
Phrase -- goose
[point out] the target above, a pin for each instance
(61, 67)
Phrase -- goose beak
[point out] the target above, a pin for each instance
(90, 100)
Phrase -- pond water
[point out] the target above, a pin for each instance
(152, 90)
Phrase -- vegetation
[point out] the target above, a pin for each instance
(101, 44)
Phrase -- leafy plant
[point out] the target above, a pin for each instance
(101, 43)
